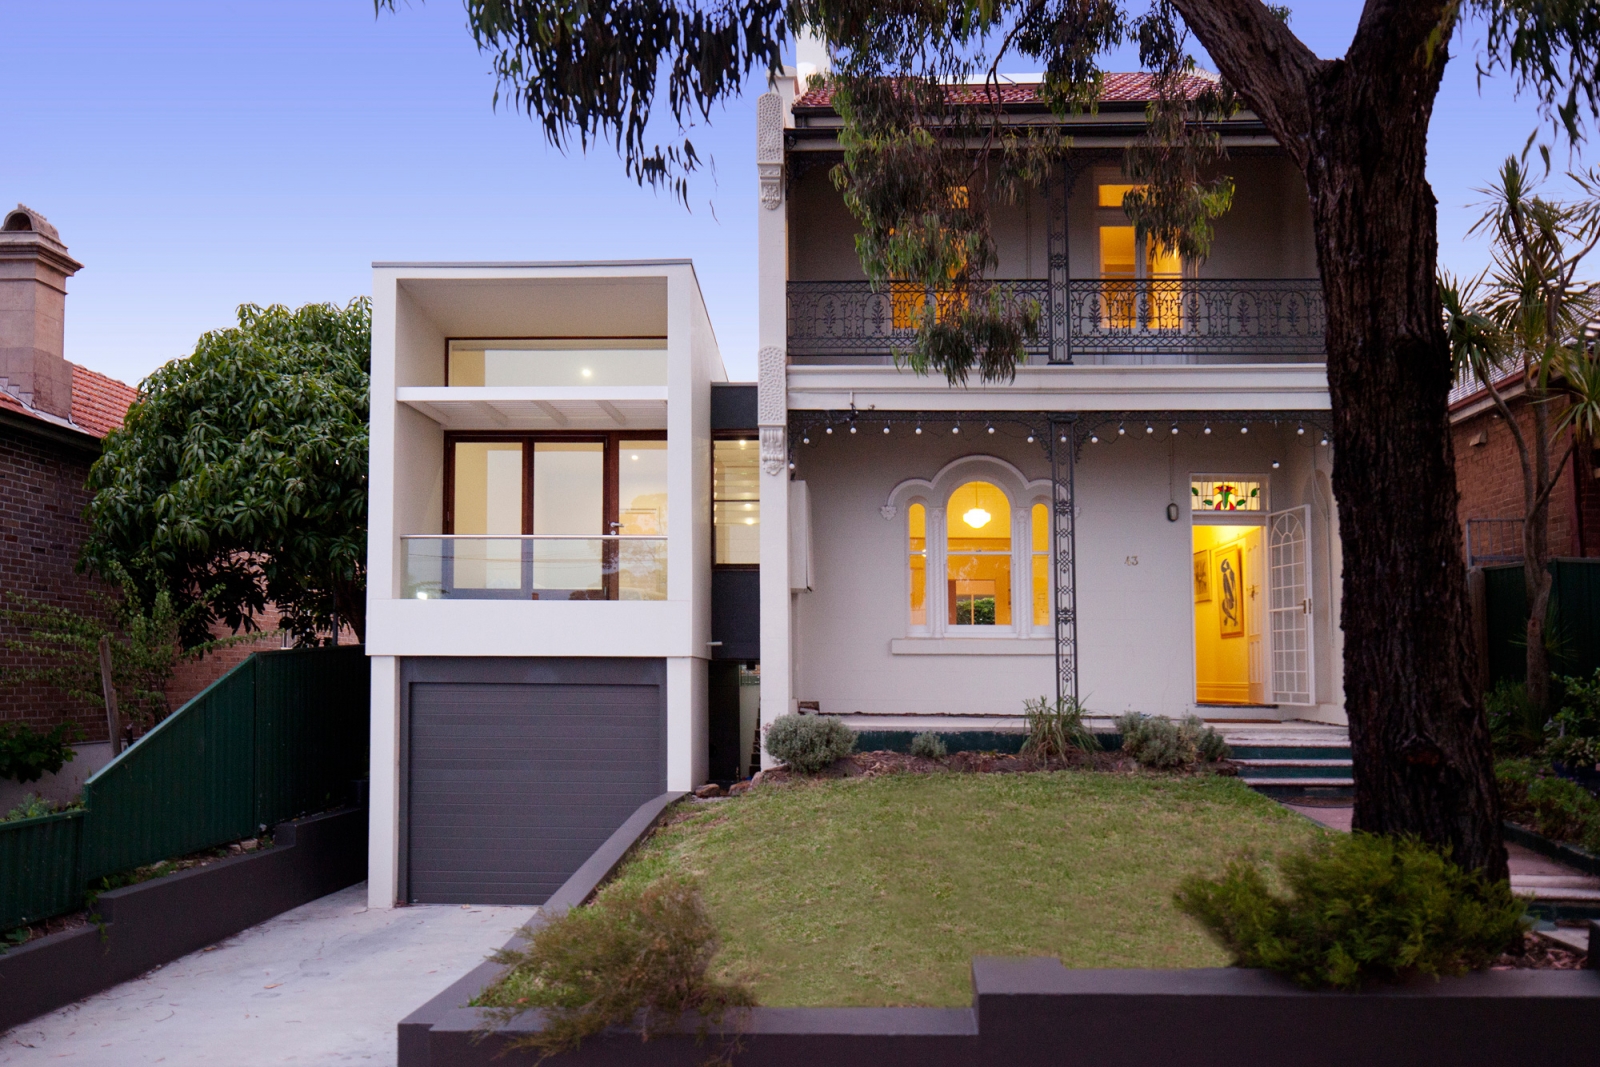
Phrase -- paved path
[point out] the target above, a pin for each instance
(324, 983)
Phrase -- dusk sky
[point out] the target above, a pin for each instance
(200, 154)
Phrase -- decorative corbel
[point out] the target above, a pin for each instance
(769, 149)
(772, 408)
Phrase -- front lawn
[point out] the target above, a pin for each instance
(879, 891)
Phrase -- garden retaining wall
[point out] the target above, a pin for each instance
(143, 926)
(1036, 1011)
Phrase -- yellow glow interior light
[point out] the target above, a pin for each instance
(976, 518)
(587, 373)
(750, 522)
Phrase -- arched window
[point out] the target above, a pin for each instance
(917, 523)
(978, 556)
(1041, 565)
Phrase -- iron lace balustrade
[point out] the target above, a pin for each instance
(536, 567)
(1158, 321)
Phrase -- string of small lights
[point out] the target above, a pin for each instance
(1038, 427)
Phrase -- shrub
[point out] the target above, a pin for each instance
(32, 807)
(1516, 728)
(1559, 809)
(1162, 744)
(636, 957)
(1573, 734)
(27, 755)
(1056, 728)
(929, 745)
(1360, 908)
(808, 743)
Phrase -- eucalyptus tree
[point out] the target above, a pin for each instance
(1525, 323)
(239, 479)
(599, 72)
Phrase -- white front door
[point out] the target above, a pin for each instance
(1289, 604)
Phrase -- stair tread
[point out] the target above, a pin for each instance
(1254, 762)
(1286, 780)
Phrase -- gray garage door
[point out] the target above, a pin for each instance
(513, 785)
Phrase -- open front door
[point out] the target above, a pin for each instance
(1255, 599)
(1289, 600)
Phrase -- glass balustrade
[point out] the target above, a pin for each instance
(481, 567)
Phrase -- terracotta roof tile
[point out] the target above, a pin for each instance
(99, 403)
(1120, 88)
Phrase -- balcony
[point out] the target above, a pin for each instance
(1159, 321)
(478, 567)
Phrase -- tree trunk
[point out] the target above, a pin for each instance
(1358, 129)
(1536, 578)
(1417, 731)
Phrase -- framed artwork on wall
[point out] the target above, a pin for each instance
(1202, 576)
(1230, 590)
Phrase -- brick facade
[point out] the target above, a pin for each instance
(41, 533)
(1489, 477)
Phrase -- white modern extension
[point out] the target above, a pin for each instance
(538, 566)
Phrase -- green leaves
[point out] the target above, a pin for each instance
(1359, 908)
(239, 479)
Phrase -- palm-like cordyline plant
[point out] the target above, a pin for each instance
(1525, 325)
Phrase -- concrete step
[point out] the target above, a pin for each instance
(1299, 782)
(1294, 751)
(1291, 762)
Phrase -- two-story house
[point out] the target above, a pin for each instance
(595, 566)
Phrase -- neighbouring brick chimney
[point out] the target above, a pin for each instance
(34, 268)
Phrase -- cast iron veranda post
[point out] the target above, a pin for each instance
(1063, 552)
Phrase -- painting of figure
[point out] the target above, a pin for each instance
(1202, 576)
(1230, 590)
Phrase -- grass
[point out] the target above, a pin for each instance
(879, 891)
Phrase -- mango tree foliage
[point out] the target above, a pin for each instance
(240, 477)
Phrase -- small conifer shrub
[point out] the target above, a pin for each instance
(1359, 908)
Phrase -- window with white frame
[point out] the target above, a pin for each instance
(978, 558)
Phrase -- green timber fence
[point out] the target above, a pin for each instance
(1572, 632)
(282, 734)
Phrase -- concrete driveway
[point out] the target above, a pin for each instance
(324, 983)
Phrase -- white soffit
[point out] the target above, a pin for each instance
(1219, 387)
(575, 408)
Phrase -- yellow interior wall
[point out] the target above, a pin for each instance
(1222, 664)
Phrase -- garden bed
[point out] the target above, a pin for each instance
(878, 889)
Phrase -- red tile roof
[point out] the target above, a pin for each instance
(1120, 88)
(99, 403)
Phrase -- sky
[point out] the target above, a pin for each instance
(201, 154)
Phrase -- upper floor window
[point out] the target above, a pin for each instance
(547, 517)
(736, 502)
(557, 361)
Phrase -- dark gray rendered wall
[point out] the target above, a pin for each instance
(733, 406)
(736, 614)
(516, 770)
(145, 925)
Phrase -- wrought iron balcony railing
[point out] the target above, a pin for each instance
(474, 567)
(1088, 321)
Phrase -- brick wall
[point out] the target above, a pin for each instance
(41, 532)
(1489, 477)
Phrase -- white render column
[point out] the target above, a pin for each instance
(777, 669)
(383, 786)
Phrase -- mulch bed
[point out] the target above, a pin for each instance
(878, 764)
(1542, 954)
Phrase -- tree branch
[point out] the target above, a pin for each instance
(1263, 60)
